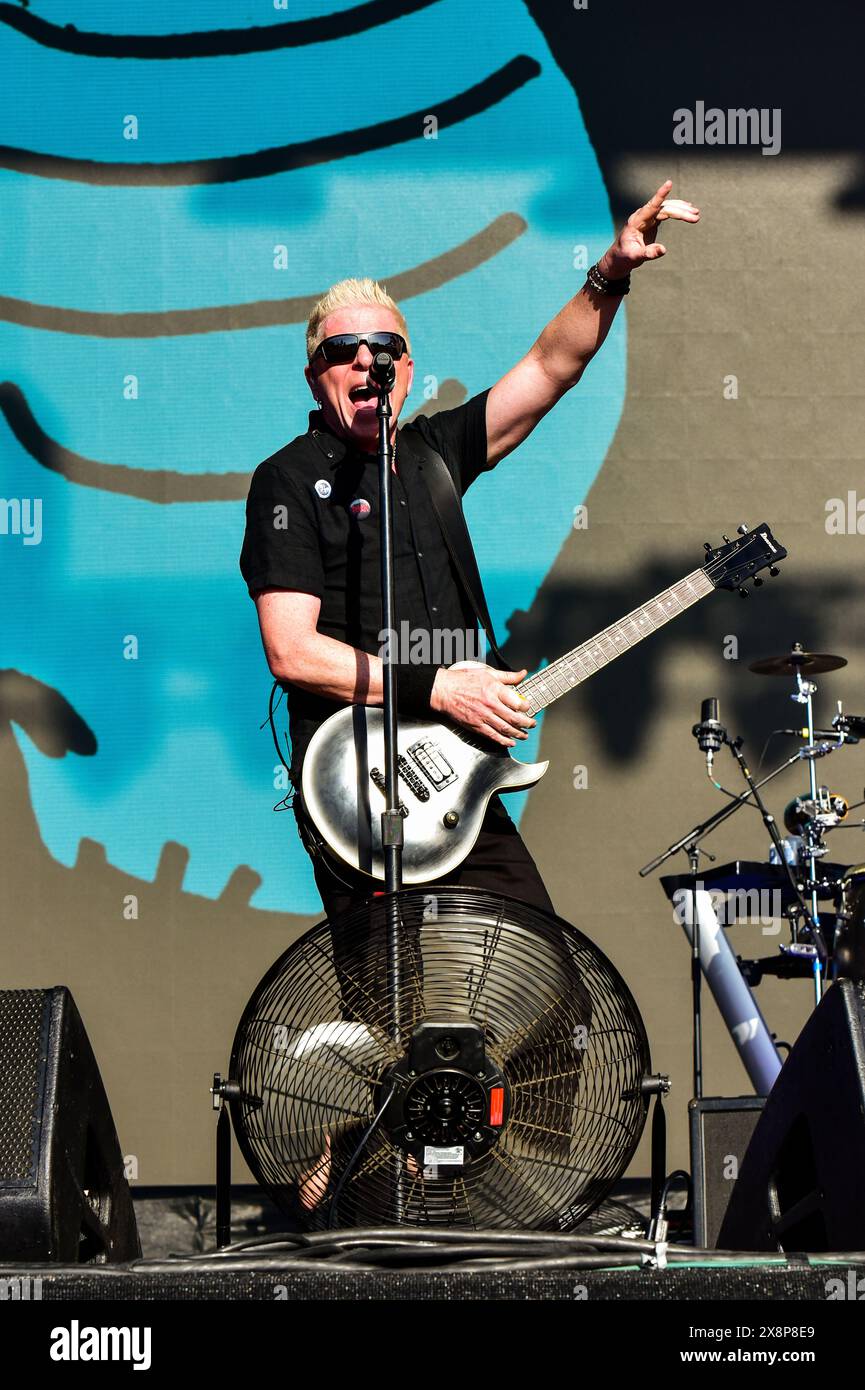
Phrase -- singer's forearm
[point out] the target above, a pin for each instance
(324, 666)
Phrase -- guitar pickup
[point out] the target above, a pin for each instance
(432, 764)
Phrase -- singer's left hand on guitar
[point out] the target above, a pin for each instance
(482, 699)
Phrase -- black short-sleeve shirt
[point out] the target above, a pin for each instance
(312, 525)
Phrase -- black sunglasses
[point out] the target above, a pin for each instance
(343, 347)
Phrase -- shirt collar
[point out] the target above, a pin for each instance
(333, 446)
(329, 443)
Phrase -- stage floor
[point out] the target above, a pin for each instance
(180, 1263)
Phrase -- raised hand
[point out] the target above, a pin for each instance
(636, 242)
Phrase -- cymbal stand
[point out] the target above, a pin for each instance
(804, 695)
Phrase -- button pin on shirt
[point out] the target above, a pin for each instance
(323, 487)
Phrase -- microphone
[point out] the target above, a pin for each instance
(382, 373)
(709, 733)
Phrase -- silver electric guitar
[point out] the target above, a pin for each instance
(448, 774)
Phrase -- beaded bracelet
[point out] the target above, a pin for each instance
(600, 282)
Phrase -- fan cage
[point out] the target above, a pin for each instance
(314, 1047)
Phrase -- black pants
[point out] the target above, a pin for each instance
(499, 862)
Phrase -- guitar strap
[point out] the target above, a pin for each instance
(448, 509)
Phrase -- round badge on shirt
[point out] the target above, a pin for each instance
(323, 487)
(359, 507)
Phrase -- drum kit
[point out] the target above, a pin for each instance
(809, 818)
(822, 902)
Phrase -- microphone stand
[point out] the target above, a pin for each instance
(694, 853)
(382, 375)
(382, 378)
(698, 832)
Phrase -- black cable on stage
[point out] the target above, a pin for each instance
(662, 1257)
(442, 1236)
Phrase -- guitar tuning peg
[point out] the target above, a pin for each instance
(707, 545)
(774, 571)
(743, 592)
(757, 583)
(742, 530)
(726, 538)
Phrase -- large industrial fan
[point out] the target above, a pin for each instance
(494, 1078)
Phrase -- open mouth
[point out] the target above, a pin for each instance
(358, 395)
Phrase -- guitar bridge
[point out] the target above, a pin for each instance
(377, 776)
(411, 779)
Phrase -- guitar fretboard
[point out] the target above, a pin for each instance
(563, 675)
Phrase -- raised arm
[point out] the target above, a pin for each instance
(558, 358)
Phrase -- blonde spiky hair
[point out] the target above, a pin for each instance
(346, 295)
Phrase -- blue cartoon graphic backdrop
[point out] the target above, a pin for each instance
(179, 183)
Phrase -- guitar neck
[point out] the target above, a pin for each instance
(570, 670)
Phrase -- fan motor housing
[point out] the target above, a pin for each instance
(451, 1102)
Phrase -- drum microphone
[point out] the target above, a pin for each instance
(382, 372)
(834, 733)
(709, 733)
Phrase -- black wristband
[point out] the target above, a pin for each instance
(604, 285)
(414, 685)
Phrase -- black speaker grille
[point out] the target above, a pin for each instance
(24, 1018)
(725, 1129)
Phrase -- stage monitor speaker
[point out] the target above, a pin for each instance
(721, 1129)
(801, 1185)
(63, 1191)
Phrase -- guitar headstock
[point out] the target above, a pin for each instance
(755, 549)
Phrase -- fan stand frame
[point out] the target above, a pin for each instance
(227, 1091)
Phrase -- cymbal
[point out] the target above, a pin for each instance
(809, 663)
